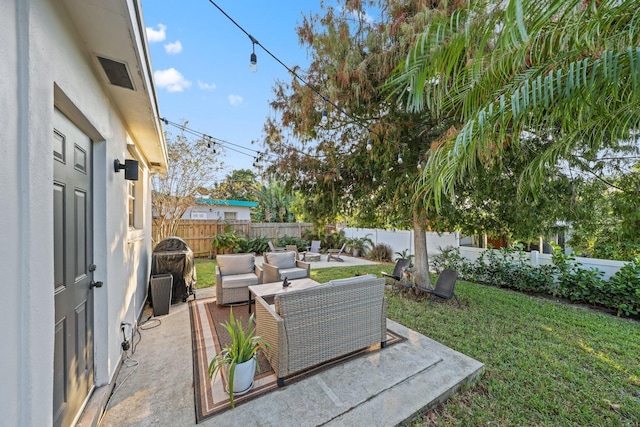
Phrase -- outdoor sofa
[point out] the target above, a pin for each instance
(278, 265)
(307, 327)
(234, 274)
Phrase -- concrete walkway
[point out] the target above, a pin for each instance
(380, 389)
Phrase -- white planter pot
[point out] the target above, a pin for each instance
(243, 377)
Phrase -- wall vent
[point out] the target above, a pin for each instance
(116, 72)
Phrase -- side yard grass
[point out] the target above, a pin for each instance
(206, 272)
(546, 363)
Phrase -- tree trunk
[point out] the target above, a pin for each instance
(421, 259)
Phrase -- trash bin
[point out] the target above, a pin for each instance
(161, 287)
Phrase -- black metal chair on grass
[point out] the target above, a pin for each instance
(401, 265)
(445, 287)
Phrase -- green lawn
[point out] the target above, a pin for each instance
(546, 363)
(206, 271)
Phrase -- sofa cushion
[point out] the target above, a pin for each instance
(236, 264)
(239, 280)
(281, 259)
(293, 273)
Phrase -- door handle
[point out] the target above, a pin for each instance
(94, 284)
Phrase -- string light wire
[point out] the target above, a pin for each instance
(212, 140)
(296, 75)
(258, 155)
(255, 154)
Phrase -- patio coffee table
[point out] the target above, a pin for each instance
(267, 290)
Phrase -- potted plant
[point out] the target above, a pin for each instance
(238, 359)
(359, 245)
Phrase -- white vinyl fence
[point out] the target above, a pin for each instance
(608, 267)
(401, 240)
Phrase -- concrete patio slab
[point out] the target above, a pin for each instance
(381, 389)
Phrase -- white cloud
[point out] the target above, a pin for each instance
(156, 35)
(206, 86)
(235, 99)
(171, 79)
(173, 48)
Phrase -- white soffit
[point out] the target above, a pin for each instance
(114, 35)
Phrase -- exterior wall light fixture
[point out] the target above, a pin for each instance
(130, 168)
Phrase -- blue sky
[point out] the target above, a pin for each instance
(201, 64)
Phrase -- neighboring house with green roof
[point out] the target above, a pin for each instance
(221, 210)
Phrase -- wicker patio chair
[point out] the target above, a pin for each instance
(280, 265)
(234, 274)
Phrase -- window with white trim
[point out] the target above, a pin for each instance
(131, 205)
(134, 202)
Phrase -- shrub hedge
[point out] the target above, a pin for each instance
(510, 268)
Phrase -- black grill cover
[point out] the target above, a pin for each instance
(173, 255)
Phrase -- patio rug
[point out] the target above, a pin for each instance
(208, 337)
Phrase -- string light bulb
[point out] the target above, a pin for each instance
(419, 166)
(291, 71)
(324, 111)
(369, 146)
(399, 158)
(253, 59)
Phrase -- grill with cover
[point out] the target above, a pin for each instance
(172, 255)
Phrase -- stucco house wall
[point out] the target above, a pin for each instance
(48, 63)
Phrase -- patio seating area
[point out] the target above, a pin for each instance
(311, 326)
(155, 386)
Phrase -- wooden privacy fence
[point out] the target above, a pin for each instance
(199, 232)
(275, 230)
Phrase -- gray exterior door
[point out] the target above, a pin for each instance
(73, 258)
